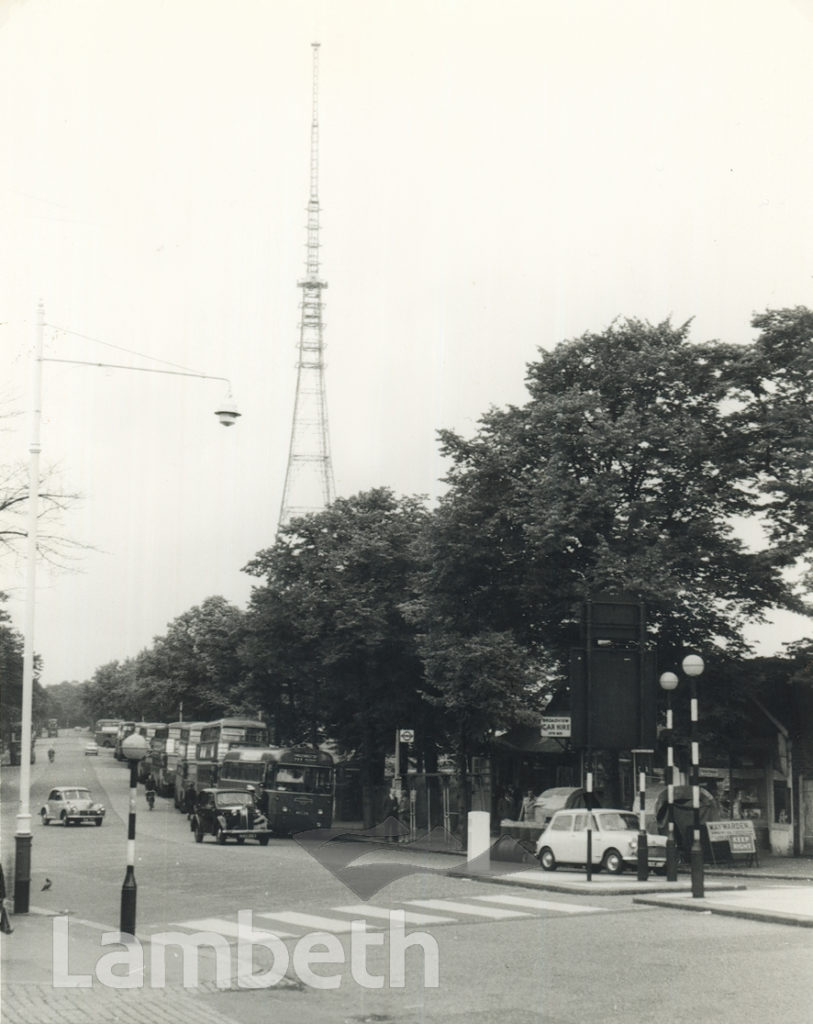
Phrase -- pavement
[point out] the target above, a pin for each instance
(779, 890)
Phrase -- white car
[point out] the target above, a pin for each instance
(71, 805)
(614, 840)
(91, 750)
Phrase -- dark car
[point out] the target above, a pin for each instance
(225, 813)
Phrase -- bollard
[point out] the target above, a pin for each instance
(479, 840)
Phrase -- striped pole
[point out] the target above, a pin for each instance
(671, 859)
(693, 666)
(128, 889)
(589, 802)
(643, 844)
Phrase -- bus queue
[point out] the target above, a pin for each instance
(293, 786)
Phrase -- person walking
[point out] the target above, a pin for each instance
(526, 812)
(5, 923)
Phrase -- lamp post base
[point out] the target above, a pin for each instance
(671, 860)
(22, 872)
(697, 871)
(127, 918)
(643, 857)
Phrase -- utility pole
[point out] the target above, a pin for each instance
(309, 485)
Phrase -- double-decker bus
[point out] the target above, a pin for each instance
(294, 785)
(53, 727)
(217, 738)
(106, 731)
(186, 746)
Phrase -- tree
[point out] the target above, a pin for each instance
(327, 636)
(196, 665)
(639, 464)
(11, 674)
(626, 470)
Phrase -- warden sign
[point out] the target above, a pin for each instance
(555, 725)
(739, 835)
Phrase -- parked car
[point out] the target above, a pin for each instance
(614, 842)
(71, 805)
(225, 813)
(91, 750)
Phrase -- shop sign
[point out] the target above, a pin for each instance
(555, 726)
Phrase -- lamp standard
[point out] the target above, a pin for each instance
(668, 682)
(693, 667)
(227, 414)
(135, 749)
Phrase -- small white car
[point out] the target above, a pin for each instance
(614, 840)
(71, 805)
(91, 750)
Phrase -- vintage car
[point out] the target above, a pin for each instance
(227, 813)
(71, 805)
(91, 750)
(613, 843)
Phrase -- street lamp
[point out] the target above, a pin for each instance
(227, 414)
(134, 749)
(669, 681)
(693, 667)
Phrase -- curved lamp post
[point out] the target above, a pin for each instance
(135, 749)
(227, 414)
(693, 667)
(668, 682)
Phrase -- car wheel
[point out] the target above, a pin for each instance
(44, 816)
(198, 835)
(64, 819)
(241, 840)
(221, 836)
(613, 862)
(546, 859)
(98, 821)
(263, 840)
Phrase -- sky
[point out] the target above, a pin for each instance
(495, 177)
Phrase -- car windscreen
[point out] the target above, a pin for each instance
(75, 794)
(233, 798)
(618, 822)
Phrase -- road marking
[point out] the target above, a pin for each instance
(466, 908)
(410, 917)
(311, 921)
(222, 926)
(527, 901)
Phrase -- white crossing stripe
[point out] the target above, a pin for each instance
(223, 926)
(410, 917)
(466, 908)
(311, 921)
(527, 901)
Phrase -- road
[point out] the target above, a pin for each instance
(502, 953)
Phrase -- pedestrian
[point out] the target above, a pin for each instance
(526, 812)
(505, 805)
(403, 807)
(391, 817)
(5, 923)
(189, 799)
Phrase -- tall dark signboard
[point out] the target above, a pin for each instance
(612, 678)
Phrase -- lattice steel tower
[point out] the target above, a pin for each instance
(309, 485)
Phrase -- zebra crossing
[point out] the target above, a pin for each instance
(339, 920)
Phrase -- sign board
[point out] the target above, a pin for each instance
(555, 725)
(739, 835)
(406, 735)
